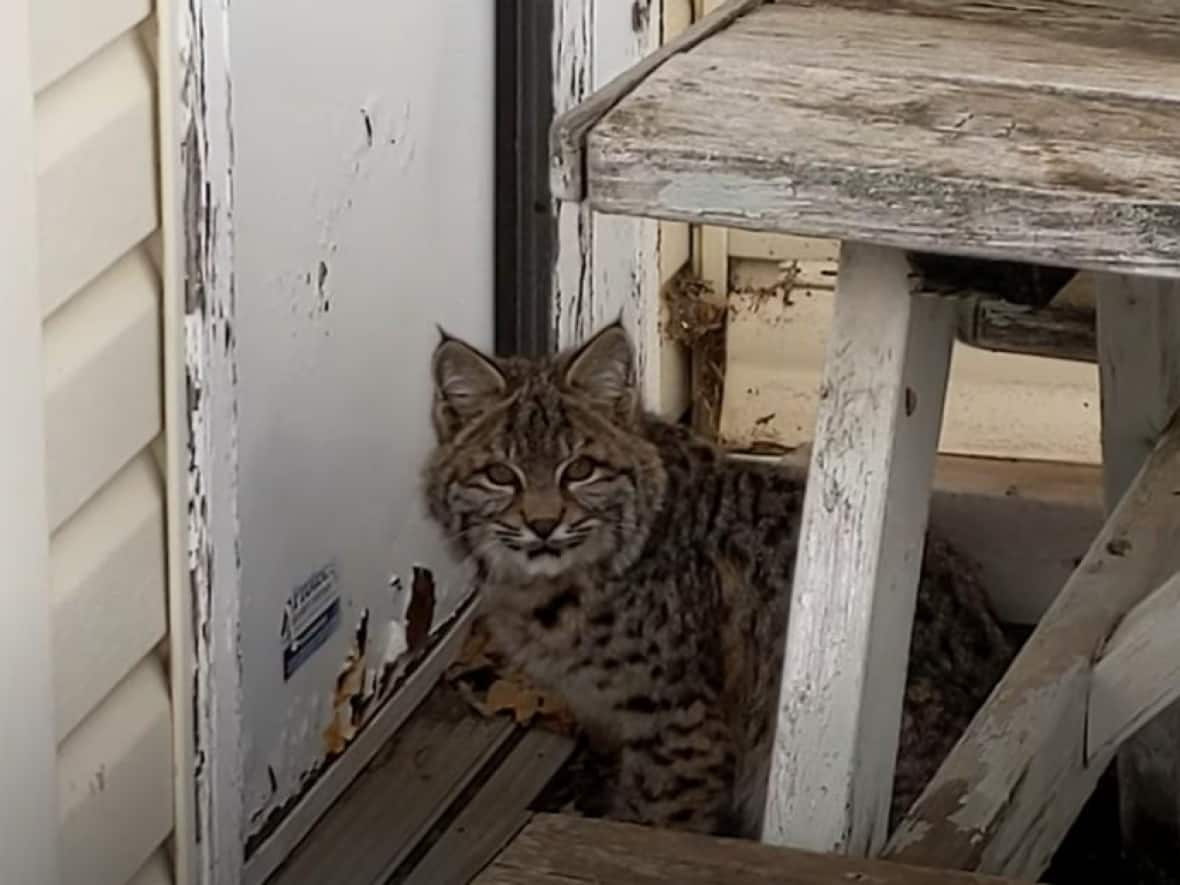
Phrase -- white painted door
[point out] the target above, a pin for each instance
(349, 163)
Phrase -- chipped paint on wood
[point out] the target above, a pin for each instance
(606, 266)
(761, 127)
(321, 463)
(206, 153)
(1006, 795)
(374, 703)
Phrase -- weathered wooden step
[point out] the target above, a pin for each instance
(560, 850)
(1023, 131)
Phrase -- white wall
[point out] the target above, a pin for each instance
(28, 782)
(351, 241)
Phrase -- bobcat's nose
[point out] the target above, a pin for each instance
(543, 527)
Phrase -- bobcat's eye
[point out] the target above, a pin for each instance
(578, 469)
(501, 475)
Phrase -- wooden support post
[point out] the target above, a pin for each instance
(1005, 797)
(860, 551)
(1139, 365)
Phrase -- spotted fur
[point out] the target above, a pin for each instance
(632, 568)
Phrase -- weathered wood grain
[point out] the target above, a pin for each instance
(606, 266)
(1139, 367)
(567, 134)
(928, 133)
(559, 850)
(1118, 24)
(1008, 792)
(1061, 333)
(860, 549)
(497, 812)
(1138, 674)
(386, 811)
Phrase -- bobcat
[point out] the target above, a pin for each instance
(635, 570)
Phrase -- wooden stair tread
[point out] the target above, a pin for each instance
(561, 850)
(1027, 131)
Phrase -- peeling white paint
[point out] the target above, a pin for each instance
(361, 220)
(207, 153)
(606, 266)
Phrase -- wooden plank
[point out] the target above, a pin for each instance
(763, 127)
(560, 850)
(1115, 24)
(322, 795)
(1138, 674)
(497, 812)
(386, 811)
(860, 549)
(1058, 333)
(568, 132)
(1139, 354)
(1005, 797)
(28, 839)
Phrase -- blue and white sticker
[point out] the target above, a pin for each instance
(310, 616)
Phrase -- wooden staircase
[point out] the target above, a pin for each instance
(1043, 131)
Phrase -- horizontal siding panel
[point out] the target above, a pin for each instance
(157, 871)
(65, 33)
(96, 168)
(781, 247)
(115, 782)
(103, 388)
(998, 405)
(108, 572)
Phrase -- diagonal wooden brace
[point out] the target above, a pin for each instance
(1005, 797)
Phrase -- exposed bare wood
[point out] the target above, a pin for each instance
(319, 798)
(1059, 333)
(1138, 674)
(928, 133)
(559, 850)
(383, 815)
(860, 548)
(1004, 798)
(1139, 354)
(496, 813)
(567, 138)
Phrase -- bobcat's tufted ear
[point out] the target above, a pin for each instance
(603, 369)
(466, 383)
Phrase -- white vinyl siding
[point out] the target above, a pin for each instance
(97, 213)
